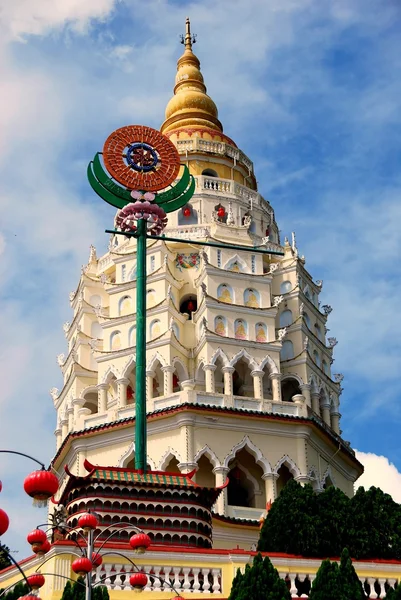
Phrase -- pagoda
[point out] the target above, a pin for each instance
(240, 397)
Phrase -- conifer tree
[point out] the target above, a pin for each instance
(259, 582)
(393, 594)
(67, 592)
(327, 584)
(351, 585)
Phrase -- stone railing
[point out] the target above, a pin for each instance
(212, 147)
(196, 572)
(189, 232)
(193, 580)
(226, 187)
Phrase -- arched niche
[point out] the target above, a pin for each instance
(287, 350)
(225, 293)
(220, 325)
(289, 388)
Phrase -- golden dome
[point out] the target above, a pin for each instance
(190, 106)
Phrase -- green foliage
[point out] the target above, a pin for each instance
(351, 585)
(18, 590)
(76, 591)
(259, 582)
(321, 525)
(4, 560)
(290, 525)
(394, 594)
(327, 584)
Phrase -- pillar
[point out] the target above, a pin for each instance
(305, 389)
(269, 479)
(325, 408)
(76, 405)
(276, 386)
(64, 427)
(335, 422)
(70, 415)
(122, 391)
(209, 377)
(257, 384)
(57, 433)
(102, 397)
(316, 402)
(149, 384)
(228, 380)
(221, 502)
(168, 379)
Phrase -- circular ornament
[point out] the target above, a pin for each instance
(141, 158)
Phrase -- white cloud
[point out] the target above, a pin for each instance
(22, 18)
(381, 473)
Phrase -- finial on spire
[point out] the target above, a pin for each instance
(188, 39)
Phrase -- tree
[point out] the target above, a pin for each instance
(67, 592)
(290, 524)
(4, 560)
(76, 591)
(259, 582)
(351, 584)
(373, 525)
(327, 584)
(331, 510)
(17, 591)
(393, 594)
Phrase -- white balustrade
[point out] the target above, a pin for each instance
(201, 145)
(183, 579)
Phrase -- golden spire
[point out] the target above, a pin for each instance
(190, 106)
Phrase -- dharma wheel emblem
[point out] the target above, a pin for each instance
(141, 158)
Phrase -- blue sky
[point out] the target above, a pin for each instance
(309, 89)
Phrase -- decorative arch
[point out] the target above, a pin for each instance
(268, 361)
(287, 350)
(254, 450)
(290, 464)
(130, 363)
(292, 376)
(154, 329)
(286, 318)
(132, 273)
(181, 370)
(240, 329)
(250, 477)
(220, 325)
(236, 264)
(252, 298)
(328, 474)
(210, 454)
(314, 384)
(87, 390)
(125, 305)
(246, 356)
(124, 458)
(167, 456)
(132, 336)
(115, 340)
(199, 372)
(220, 354)
(110, 373)
(285, 287)
(314, 479)
(154, 360)
(225, 293)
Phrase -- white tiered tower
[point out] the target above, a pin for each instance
(239, 378)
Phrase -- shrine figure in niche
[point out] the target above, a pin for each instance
(220, 325)
(261, 332)
(251, 298)
(125, 306)
(116, 342)
(224, 294)
(240, 329)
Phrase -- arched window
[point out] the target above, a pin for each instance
(132, 273)
(307, 320)
(154, 329)
(209, 173)
(125, 306)
(225, 293)
(176, 331)
(307, 293)
(260, 332)
(287, 350)
(220, 325)
(115, 340)
(286, 318)
(187, 215)
(96, 331)
(132, 336)
(318, 331)
(240, 329)
(316, 358)
(252, 298)
(150, 298)
(325, 368)
(285, 287)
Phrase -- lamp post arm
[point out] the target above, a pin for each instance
(23, 454)
(117, 531)
(12, 559)
(50, 557)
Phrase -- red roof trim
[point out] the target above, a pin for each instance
(89, 467)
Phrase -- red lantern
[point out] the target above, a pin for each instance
(221, 212)
(138, 581)
(82, 566)
(139, 542)
(4, 521)
(88, 521)
(37, 536)
(96, 559)
(41, 549)
(191, 306)
(1, 486)
(177, 598)
(36, 581)
(186, 212)
(41, 485)
(30, 597)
